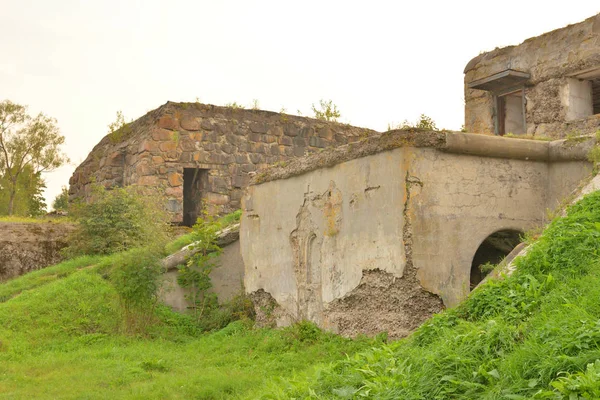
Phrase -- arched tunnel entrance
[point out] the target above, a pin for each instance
(493, 249)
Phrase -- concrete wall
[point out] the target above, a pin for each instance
(230, 143)
(553, 60)
(382, 241)
(227, 279)
(26, 247)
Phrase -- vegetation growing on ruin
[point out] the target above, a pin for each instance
(62, 327)
(117, 220)
(119, 129)
(533, 335)
(326, 111)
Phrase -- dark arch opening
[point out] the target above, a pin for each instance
(493, 249)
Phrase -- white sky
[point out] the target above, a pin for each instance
(380, 61)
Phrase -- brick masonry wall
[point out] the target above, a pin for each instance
(230, 143)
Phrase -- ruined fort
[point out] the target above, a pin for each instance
(201, 155)
(361, 231)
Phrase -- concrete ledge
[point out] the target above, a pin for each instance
(496, 146)
(571, 149)
(365, 147)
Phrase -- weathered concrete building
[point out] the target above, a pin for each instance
(201, 155)
(379, 235)
(547, 86)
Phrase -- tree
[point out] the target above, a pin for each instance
(328, 111)
(29, 199)
(27, 142)
(61, 202)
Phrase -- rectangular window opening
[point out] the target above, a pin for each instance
(596, 95)
(195, 182)
(510, 113)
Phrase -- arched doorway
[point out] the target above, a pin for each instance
(492, 250)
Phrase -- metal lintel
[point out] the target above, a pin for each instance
(501, 82)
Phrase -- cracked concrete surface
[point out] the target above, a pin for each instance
(382, 241)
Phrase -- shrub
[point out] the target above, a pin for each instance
(117, 220)
(136, 276)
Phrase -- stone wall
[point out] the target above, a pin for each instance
(230, 143)
(380, 234)
(552, 60)
(26, 247)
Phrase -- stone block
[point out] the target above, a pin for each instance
(198, 136)
(157, 160)
(144, 169)
(227, 148)
(259, 127)
(248, 168)
(174, 205)
(325, 132)
(175, 179)
(300, 141)
(242, 158)
(217, 198)
(148, 180)
(257, 158)
(148, 146)
(185, 157)
(269, 139)
(199, 156)
(174, 191)
(255, 137)
(291, 130)
(299, 151)
(240, 181)
(286, 141)
(316, 141)
(162, 135)
(306, 132)
(207, 125)
(168, 146)
(258, 148)
(190, 123)
(167, 122)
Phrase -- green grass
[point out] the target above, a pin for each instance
(62, 336)
(190, 238)
(534, 335)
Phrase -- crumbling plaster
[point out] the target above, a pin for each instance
(412, 208)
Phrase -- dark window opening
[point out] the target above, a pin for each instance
(195, 182)
(493, 249)
(596, 95)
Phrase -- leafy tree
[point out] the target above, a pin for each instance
(29, 199)
(61, 202)
(327, 112)
(27, 143)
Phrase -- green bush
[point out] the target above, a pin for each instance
(117, 220)
(136, 276)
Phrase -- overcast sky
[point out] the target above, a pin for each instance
(380, 61)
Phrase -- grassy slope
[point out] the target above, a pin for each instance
(60, 337)
(533, 335)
